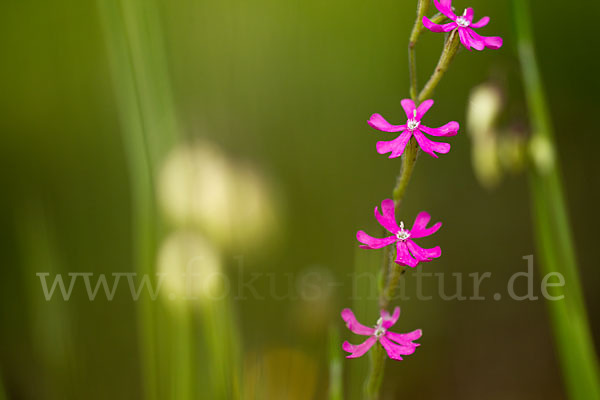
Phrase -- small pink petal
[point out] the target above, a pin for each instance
(389, 320)
(405, 338)
(396, 351)
(481, 23)
(409, 108)
(445, 7)
(419, 228)
(433, 27)
(395, 147)
(387, 218)
(450, 129)
(423, 108)
(430, 147)
(464, 38)
(378, 122)
(372, 243)
(354, 325)
(360, 349)
(421, 254)
(403, 256)
(475, 40)
(491, 42)
(470, 14)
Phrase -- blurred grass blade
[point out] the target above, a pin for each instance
(133, 37)
(553, 233)
(183, 363)
(53, 351)
(335, 365)
(223, 348)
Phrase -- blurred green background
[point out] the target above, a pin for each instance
(279, 91)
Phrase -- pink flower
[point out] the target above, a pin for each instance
(395, 344)
(413, 127)
(407, 251)
(464, 23)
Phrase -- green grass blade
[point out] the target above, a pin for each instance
(553, 233)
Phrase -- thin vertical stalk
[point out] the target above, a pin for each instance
(555, 247)
(335, 366)
(448, 54)
(223, 348)
(182, 354)
(422, 8)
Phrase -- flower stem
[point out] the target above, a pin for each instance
(450, 50)
(409, 159)
(422, 8)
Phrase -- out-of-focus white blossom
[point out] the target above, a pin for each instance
(190, 268)
(201, 188)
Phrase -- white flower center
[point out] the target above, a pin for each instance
(402, 234)
(462, 21)
(379, 329)
(412, 123)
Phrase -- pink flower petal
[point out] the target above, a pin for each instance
(470, 14)
(370, 242)
(450, 129)
(491, 42)
(396, 351)
(354, 325)
(423, 108)
(477, 44)
(405, 338)
(433, 27)
(389, 320)
(419, 228)
(430, 147)
(481, 23)
(445, 7)
(378, 122)
(421, 254)
(409, 107)
(403, 256)
(464, 38)
(396, 146)
(387, 218)
(360, 349)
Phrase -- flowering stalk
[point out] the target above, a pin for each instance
(409, 159)
(412, 136)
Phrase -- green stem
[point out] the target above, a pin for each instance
(422, 8)
(450, 50)
(409, 159)
(373, 384)
(568, 316)
(396, 272)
